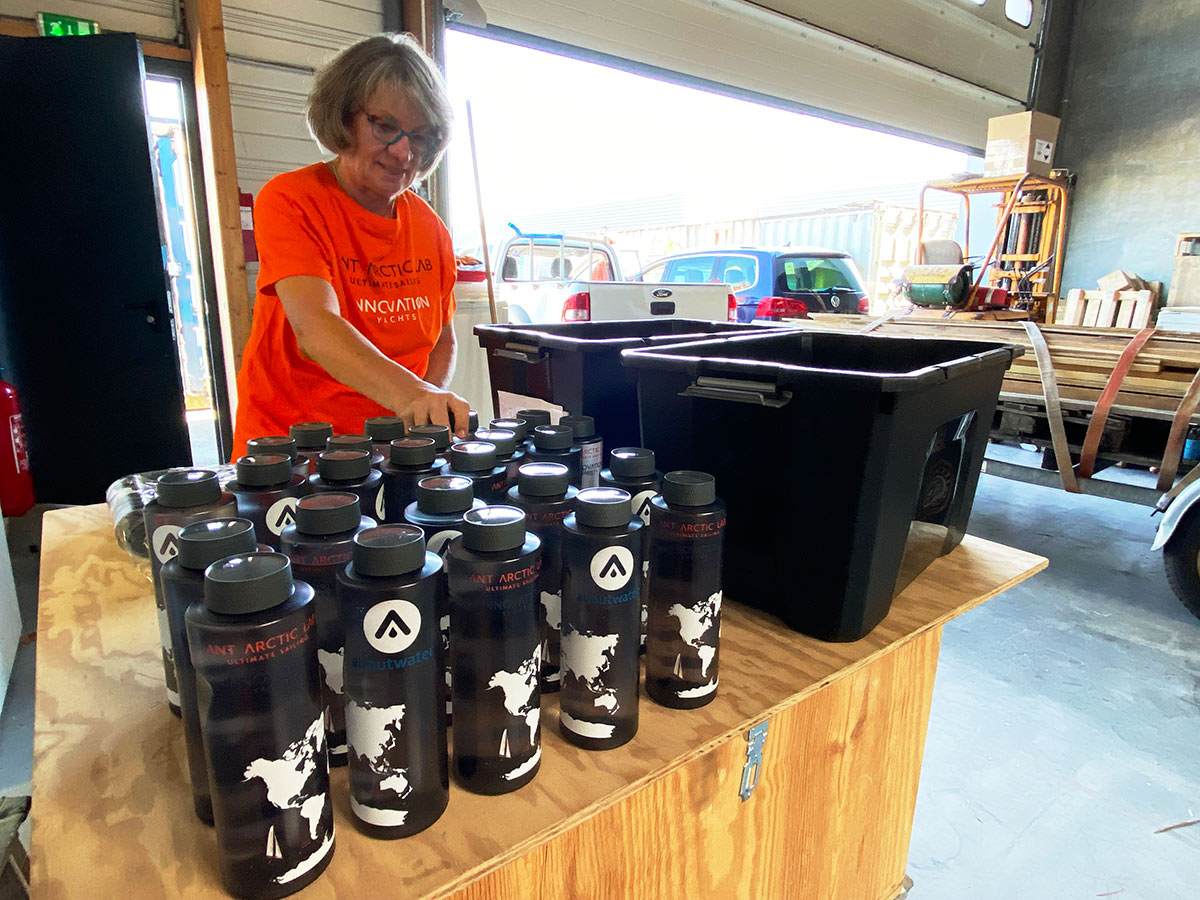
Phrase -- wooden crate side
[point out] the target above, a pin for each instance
(831, 816)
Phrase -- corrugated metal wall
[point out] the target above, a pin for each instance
(149, 18)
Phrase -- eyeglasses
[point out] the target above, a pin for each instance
(389, 133)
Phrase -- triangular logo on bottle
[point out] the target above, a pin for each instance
(281, 514)
(613, 566)
(169, 548)
(165, 542)
(392, 626)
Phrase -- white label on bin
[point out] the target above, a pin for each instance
(510, 403)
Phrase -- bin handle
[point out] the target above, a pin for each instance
(520, 352)
(731, 389)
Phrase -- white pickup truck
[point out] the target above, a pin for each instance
(559, 278)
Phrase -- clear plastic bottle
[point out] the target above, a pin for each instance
(391, 596)
(496, 650)
(543, 493)
(259, 692)
(687, 540)
(601, 620)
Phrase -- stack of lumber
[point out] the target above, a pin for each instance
(1083, 359)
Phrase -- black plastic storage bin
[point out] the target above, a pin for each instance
(577, 365)
(848, 462)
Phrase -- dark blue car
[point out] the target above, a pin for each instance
(770, 283)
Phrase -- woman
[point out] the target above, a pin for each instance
(355, 298)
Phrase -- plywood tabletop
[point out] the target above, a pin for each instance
(112, 810)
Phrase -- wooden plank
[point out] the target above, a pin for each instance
(815, 750)
(1125, 313)
(206, 35)
(1108, 310)
(1143, 309)
(1091, 315)
(114, 809)
(1076, 306)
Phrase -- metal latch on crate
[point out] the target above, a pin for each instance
(754, 761)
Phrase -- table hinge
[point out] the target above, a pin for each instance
(753, 768)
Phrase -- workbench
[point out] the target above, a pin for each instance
(661, 817)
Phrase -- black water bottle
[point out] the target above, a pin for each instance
(391, 596)
(515, 424)
(200, 545)
(601, 620)
(495, 650)
(383, 430)
(438, 511)
(510, 452)
(310, 440)
(409, 460)
(591, 448)
(183, 497)
(259, 693)
(439, 434)
(350, 471)
(556, 443)
(687, 539)
(477, 460)
(533, 418)
(320, 544)
(543, 493)
(279, 443)
(267, 490)
(632, 469)
(356, 442)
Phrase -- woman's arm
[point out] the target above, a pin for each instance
(341, 350)
(442, 356)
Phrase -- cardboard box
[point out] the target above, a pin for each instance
(1020, 143)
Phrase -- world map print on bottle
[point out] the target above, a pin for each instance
(588, 659)
(520, 737)
(696, 626)
(373, 735)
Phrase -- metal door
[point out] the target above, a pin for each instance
(85, 327)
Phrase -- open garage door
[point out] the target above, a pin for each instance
(935, 69)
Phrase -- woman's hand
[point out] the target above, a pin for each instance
(424, 404)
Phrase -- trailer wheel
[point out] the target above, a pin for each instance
(1181, 558)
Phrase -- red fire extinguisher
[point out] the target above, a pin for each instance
(16, 483)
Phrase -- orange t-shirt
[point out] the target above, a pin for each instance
(394, 280)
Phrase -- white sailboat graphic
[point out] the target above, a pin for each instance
(273, 851)
(678, 670)
(504, 750)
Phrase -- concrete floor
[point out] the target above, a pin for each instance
(1065, 724)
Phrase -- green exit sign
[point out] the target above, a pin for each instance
(54, 25)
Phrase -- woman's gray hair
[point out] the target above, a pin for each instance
(344, 85)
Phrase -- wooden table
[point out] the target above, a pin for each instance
(658, 818)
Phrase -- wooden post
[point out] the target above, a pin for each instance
(426, 21)
(206, 36)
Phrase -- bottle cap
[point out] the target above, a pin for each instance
(472, 456)
(603, 507)
(263, 470)
(553, 437)
(384, 429)
(413, 452)
(273, 443)
(343, 465)
(442, 494)
(583, 426)
(631, 462)
(329, 512)
(349, 442)
(519, 427)
(688, 488)
(534, 417)
(247, 583)
(505, 441)
(439, 433)
(492, 528)
(542, 479)
(202, 543)
(311, 435)
(472, 421)
(389, 550)
(193, 487)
